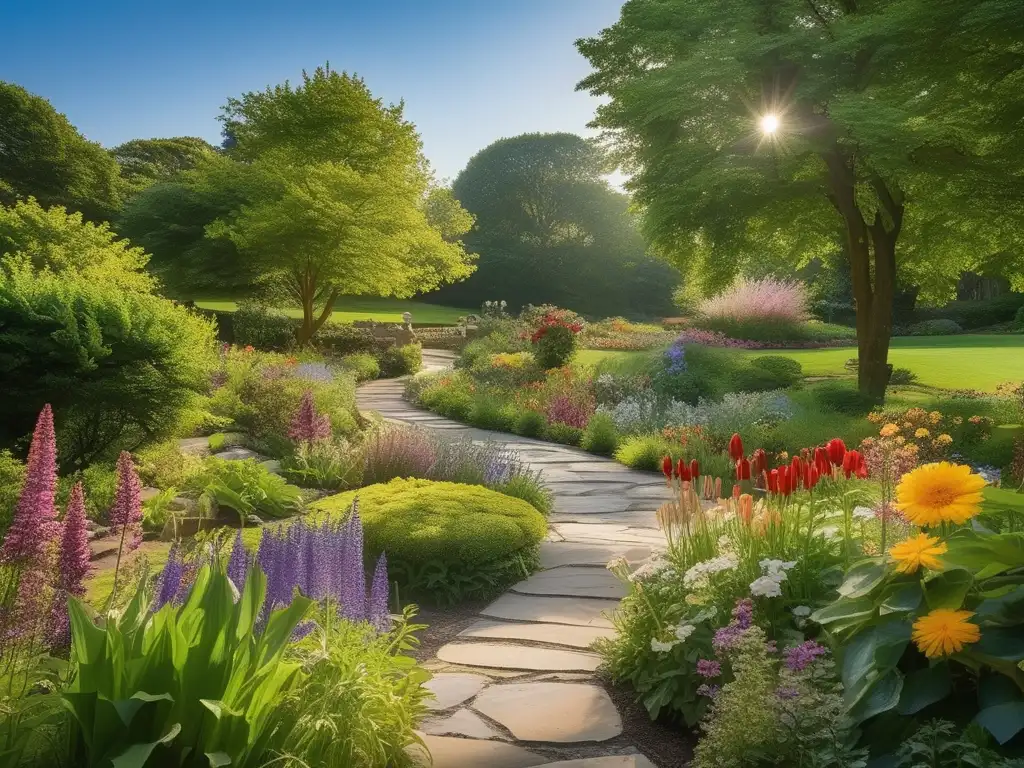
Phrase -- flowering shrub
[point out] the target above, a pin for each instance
(554, 338)
(619, 333)
(709, 338)
(930, 435)
(767, 299)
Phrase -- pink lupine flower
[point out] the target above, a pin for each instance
(307, 425)
(126, 513)
(73, 565)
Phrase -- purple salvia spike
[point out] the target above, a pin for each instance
(170, 579)
(356, 566)
(295, 559)
(238, 563)
(379, 615)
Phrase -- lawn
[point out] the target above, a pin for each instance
(351, 308)
(969, 361)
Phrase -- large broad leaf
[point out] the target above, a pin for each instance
(880, 695)
(136, 755)
(1003, 721)
(977, 551)
(862, 578)
(843, 609)
(948, 589)
(901, 598)
(924, 687)
(218, 759)
(997, 689)
(128, 708)
(1005, 610)
(870, 655)
(1005, 643)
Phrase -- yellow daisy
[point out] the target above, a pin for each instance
(939, 493)
(917, 551)
(889, 430)
(921, 432)
(943, 632)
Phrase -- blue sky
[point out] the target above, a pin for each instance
(470, 71)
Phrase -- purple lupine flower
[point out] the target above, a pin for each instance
(307, 425)
(238, 563)
(800, 656)
(353, 585)
(317, 546)
(675, 359)
(711, 691)
(314, 372)
(267, 560)
(126, 513)
(35, 526)
(379, 616)
(170, 580)
(708, 668)
(72, 568)
(786, 692)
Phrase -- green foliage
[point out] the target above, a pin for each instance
(361, 700)
(45, 157)
(787, 372)
(144, 162)
(336, 195)
(935, 328)
(1018, 320)
(902, 376)
(400, 361)
(940, 744)
(99, 482)
(12, 475)
(600, 436)
(977, 314)
(163, 465)
(843, 398)
(549, 229)
(490, 412)
(449, 394)
(263, 327)
(556, 347)
(529, 423)
(246, 487)
(340, 339)
(61, 242)
(528, 486)
(326, 464)
(643, 451)
(757, 329)
(120, 368)
(138, 692)
(363, 365)
(566, 434)
(156, 510)
(446, 541)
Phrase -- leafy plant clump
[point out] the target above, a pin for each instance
(246, 487)
(401, 361)
(445, 541)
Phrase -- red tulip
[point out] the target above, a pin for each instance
(811, 476)
(853, 463)
(682, 471)
(666, 467)
(773, 481)
(694, 469)
(785, 481)
(836, 451)
(736, 447)
(796, 472)
(736, 490)
(759, 462)
(822, 461)
(742, 469)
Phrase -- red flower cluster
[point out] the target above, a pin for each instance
(680, 470)
(803, 471)
(552, 319)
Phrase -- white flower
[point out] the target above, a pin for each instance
(802, 610)
(649, 569)
(683, 631)
(659, 647)
(864, 513)
(698, 575)
(765, 586)
(829, 532)
(776, 567)
(616, 562)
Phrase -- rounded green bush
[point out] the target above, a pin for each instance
(529, 424)
(491, 413)
(938, 327)
(446, 541)
(785, 370)
(565, 434)
(643, 452)
(600, 436)
(362, 364)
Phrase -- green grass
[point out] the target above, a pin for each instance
(968, 361)
(351, 308)
(619, 358)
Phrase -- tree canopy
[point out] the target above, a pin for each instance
(337, 196)
(901, 157)
(148, 161)
(550, 229)
(43, 155)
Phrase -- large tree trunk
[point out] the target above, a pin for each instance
(872, 251)
(312, 322)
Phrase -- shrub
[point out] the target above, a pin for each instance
(449, 394)
(12, 475)
(529, 487)
(263, 327)
(767, 299)
(643, 452)
(555, 347)
(246, 487)
(939, 327)
(99, 483)
(600, 436)
(529, 423)
(120, 368)
(490, 412)
(566, 434)
(362, 364)
(340, 339)
(446, 541)
(392, 451)
(401, 361)
(902, 376)
(163, 465)
(843, 397)
(786, 371)
(326, 464)
(506, 369)
(1018, 319)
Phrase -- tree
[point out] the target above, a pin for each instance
(42, 155)
(149, 161)
(550, 230)
(778, 129)
(337, 196)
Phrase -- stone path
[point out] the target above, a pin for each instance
(516, 688)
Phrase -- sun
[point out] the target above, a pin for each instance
(769, 124)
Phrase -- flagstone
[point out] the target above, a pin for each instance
(609, 761)
(573, 581)
(503, 655)
(587, 505)
(453, 752)
(581, 611)
(560, 553)
(451, 689)
(556, 634)
(462, 722)
(552, 712)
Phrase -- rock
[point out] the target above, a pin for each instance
(451, 689)
(553, 554)
(559, 712)
(462, 722)
(556, 634)
(584, 612)
(507, 656)
(450, 752)
(238, 454)
(194, 446)
(148, 493)
(184, 505)
(574, 581)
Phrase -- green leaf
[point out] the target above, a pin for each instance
(880, 696)
(1003, 721)
(218, 759)
(901, 598)
(1005, 610)
(843, 609)
(127, 708)
(924, 687)
(862, 578)
(136, 755)
(1005, 643)
(948, 589)
(997, 689)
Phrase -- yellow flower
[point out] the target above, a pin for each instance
(889, 430)
(943, 632)
(917, 551)
(943, 439)
(939, 493)
(912, 448)
(901, 439)
(935, 416)
(921, 432)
